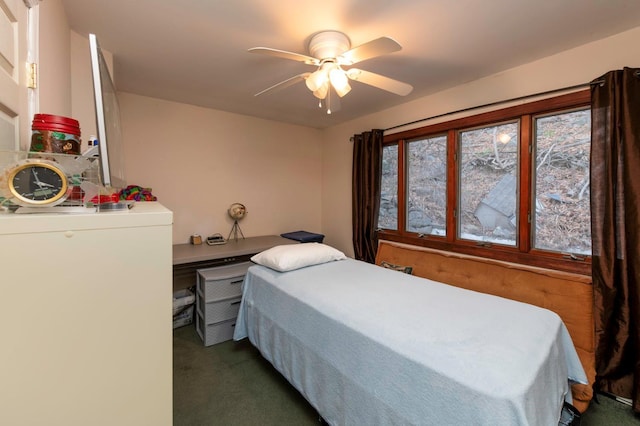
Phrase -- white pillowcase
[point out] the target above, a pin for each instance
(295, 256)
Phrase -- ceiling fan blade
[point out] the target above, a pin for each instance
(286, 83)
(285, 55)
(380, 81)
(371, 49)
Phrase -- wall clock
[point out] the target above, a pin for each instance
(37, 182)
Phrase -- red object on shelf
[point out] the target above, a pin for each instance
(56, 122)
(101, 199)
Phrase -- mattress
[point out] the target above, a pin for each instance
(368, 345)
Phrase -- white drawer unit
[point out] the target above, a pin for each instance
(215, 333)
(219, 291)
(220, 310)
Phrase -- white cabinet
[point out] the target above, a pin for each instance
(86, 318)
(218, 296)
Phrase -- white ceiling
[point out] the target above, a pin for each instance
(195, 51)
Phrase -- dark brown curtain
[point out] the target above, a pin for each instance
(615, 227)
(367, 174)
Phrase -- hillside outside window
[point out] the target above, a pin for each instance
(510, 184)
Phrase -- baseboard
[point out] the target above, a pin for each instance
(620, 399)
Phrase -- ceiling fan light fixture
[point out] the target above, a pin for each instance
(316, 79)
(339, 81)
(322, 91)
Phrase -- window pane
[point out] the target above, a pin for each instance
(427, 186)
(487, 208)
(388, 215)
(562, 214)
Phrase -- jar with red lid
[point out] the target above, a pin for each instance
(56, 134)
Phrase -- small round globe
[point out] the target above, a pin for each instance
(237, 211)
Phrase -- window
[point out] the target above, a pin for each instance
(562, 220)
(388, 214)
(427, 185)
(511, 184)
(488, 176)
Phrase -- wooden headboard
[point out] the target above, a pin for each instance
(567, 294)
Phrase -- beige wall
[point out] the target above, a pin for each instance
(54, 74)
(572, 67)
(64, 78)
(198, 161)
(65, 84)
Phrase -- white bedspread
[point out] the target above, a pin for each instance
(371, 346)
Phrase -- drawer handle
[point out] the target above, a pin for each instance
(237, 282)
(235, 303)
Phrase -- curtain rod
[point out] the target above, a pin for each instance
(549, 92)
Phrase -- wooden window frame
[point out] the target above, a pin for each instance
(523, 253)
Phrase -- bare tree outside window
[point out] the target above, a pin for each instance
(388, 213)
(488, 209)
(562, 215)
(427, 186)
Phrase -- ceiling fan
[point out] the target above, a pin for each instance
(330, 51)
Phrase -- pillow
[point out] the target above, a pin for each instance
(400, 268)
(295, 256)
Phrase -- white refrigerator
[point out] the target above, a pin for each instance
(86, 318)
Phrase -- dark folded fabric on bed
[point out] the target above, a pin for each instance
(304, 236)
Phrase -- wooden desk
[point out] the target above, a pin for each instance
(188, 258)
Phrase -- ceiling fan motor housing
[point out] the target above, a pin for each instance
(329, 44)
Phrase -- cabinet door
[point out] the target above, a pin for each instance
(86, 322)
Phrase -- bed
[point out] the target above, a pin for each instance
(570, 295)
(369, 345)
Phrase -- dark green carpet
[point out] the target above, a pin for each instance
(231, 384)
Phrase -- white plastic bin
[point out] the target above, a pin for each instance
(183, 307)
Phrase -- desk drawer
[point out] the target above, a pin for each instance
(220, 310)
